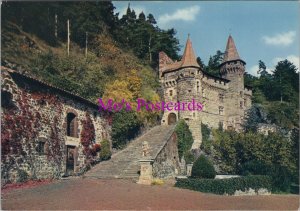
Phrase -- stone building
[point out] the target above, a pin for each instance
(46, 132)
(225, 99)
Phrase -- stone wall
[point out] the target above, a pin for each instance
(225, 99)
(166, 163)
(34, 128)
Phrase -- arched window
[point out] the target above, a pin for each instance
(172, 119)
(72, 125)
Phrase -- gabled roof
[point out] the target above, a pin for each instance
(231, 53)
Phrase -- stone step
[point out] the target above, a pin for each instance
(124, 164)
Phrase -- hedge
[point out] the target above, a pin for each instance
(226, 186)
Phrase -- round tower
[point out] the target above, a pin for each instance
(233, 69)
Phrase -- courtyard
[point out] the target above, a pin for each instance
(117, 194)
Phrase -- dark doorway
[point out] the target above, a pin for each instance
(171, 119)
(71, 125)
(70, 160)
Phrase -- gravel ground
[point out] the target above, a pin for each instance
(113, 194)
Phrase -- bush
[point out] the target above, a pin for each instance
(22, 175)
(203, 168)
(281, 176)
(225, 186)
(105, 153)
(189, 157)
(206, 142)
(255, 167)
(157, 181)
(184, 136)
(125, 126)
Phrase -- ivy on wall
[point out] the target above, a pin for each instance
(87, 136)
(21, 126)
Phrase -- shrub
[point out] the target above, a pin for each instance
(225, 186)
(281, 176)
(105, 153)
(97, 147)
(184, 136)
(22, 175)
(189, 157)
(203, 168)
(157, 181)
(255, 167)
(206, 142)
(125, 126)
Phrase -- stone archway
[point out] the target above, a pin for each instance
(172, 119)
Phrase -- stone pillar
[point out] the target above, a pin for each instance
(146, 172)
(189, 169)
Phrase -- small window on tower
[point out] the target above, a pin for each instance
(221, 110)
(241, 104)
(221, 98)
(241, 94)
(171, 92)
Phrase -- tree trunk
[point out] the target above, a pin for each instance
(68, 25)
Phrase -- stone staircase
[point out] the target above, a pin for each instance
(125, 163)
(195, 128)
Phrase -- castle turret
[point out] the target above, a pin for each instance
(233, 69)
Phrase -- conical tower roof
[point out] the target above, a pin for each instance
(231, 53)
(189, 58)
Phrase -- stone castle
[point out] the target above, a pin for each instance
(225, 98)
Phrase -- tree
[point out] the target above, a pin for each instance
(262, 69)
(203, 168)
(254, 116)
(184, 136)
(214, 62)
(286, 82)
(125, 126)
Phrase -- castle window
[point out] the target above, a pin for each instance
(241, 104)
(71, 125)
(221, 110)
(241, 94)
(171, 92)
(221, 98)
(40, 148)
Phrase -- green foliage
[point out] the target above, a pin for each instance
(254, 167)
(22, 176)
(253, 153)
(225, 186)
(231, 150)
(125, 126)
(214, 63)
(203, 168)
(206, 142)
(184, 136)
(105, 152)
(281, 176)
(189, 157)
(254, 116)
